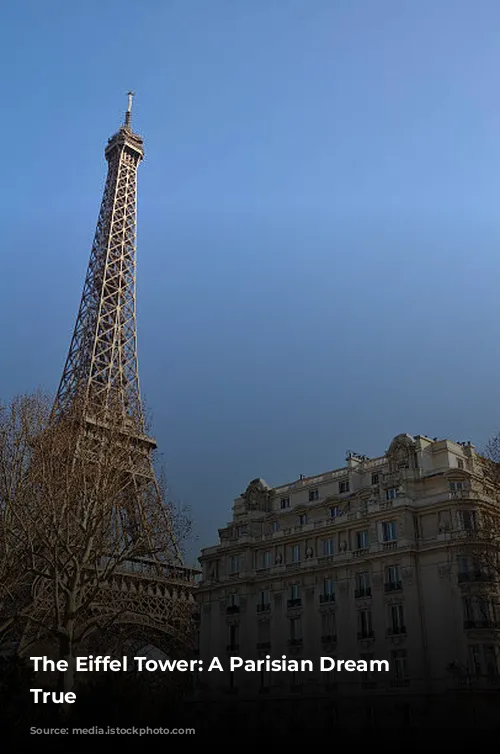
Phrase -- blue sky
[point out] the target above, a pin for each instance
(319, 225)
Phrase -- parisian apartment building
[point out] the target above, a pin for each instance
(381, 559)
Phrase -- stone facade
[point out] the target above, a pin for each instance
(378, 560)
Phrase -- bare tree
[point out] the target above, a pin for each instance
(477, 539)
(487, 526)
(25, 418)
(82, 523)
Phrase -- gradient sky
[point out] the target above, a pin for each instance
(319, 224)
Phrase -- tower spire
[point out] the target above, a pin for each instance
(130, 96)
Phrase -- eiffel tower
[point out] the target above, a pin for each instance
(101, 378)
(101, 366)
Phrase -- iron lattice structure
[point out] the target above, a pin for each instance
(102, 367)
(101, 378)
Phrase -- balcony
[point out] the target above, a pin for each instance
(326, 598)
(232, 609)
(232, 647)
(466, 494)
(396, 631)
(470, 534)
(264, 645)
(362, 635)
(295, 642)
(471, 576)
(365, 592)
(359, 552)
(481, 624)
(263, 607)
(389, 545)
(328, 639)
(294, 603)
(393, 586)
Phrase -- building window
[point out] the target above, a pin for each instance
(264, 602)
(328, 626)
(391, 493)
(393, 578)
(362, 542)
(295, 592)
(328, 547)
(363, 587)
(365, 630)
(479, 612)
(467, 520)
(233, 599)
(328, 590)
(313, 495)
(400, 664)
(294, 599)
(470, 568)
(328, 586)
(397, 622)
(374, 479)
(460, 463)
(275, 526)
(213, 570)
(234, 564)
(295, 553)
(266, 559)
(486, 611)
(389, 531)
(303, 519)
(463, 564)
(457, 486)
(343, 486)
(284, 503)
(334, 511)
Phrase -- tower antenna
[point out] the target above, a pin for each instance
(130, 96)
